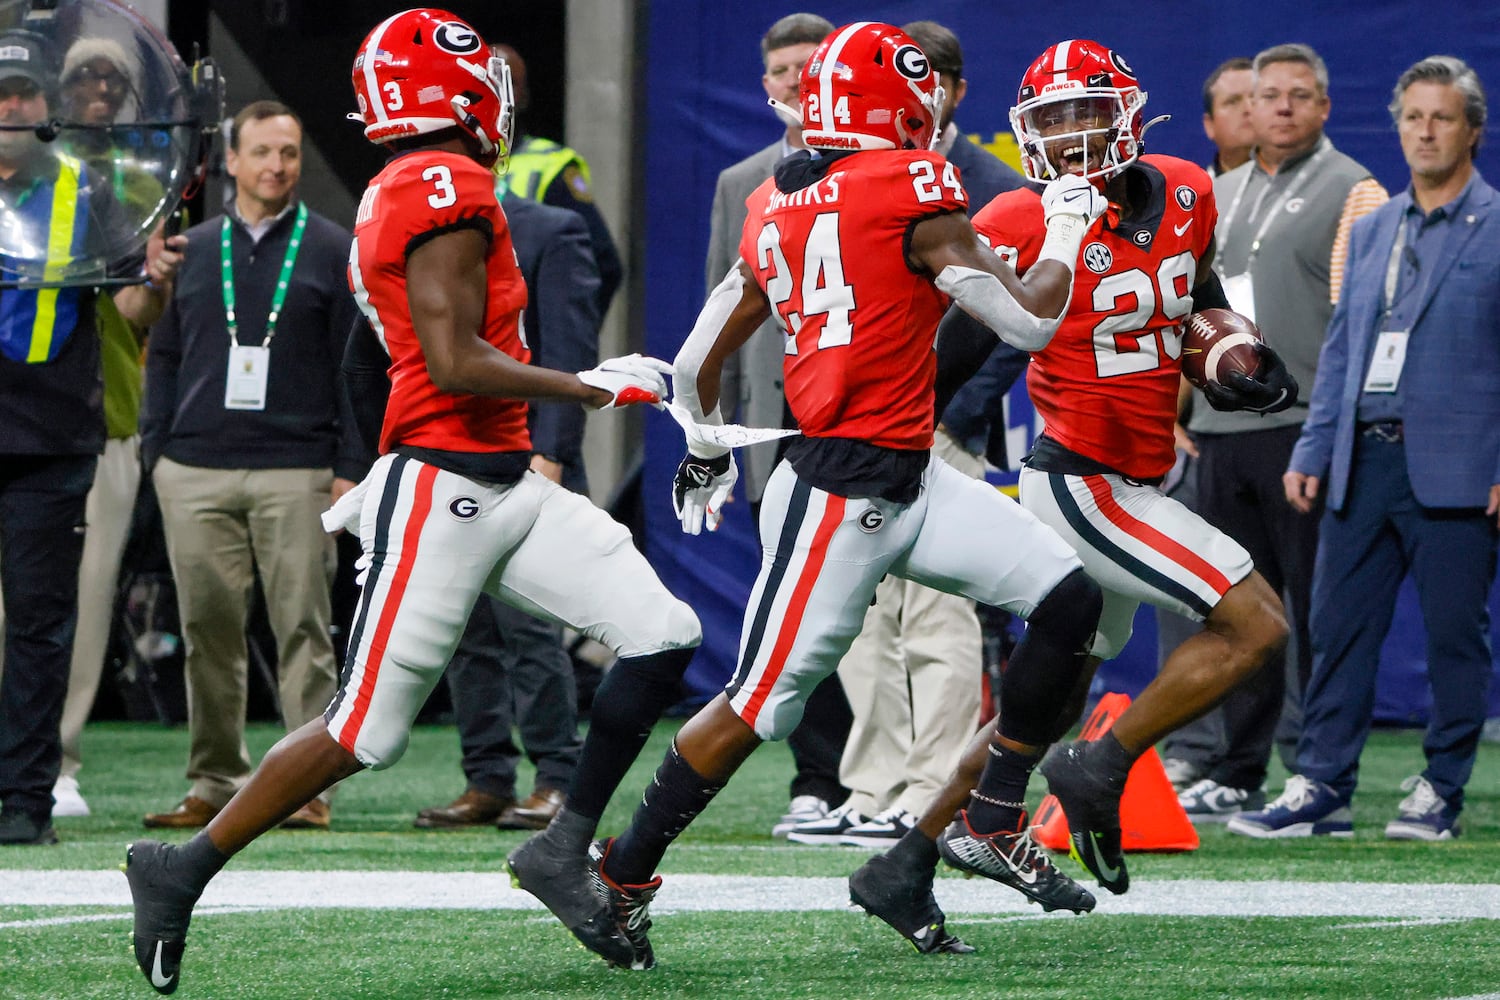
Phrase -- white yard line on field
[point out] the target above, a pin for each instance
(679, 893)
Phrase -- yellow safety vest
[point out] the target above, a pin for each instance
(537, 163)
(41, 315)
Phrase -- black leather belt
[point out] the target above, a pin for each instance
(1388, 431)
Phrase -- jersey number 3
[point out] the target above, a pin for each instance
(442, 179)
(823, 289)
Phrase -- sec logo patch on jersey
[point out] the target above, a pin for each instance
(1186, 197)
(1097, 258)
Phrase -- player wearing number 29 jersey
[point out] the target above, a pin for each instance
(418, 196)
(1107, 383)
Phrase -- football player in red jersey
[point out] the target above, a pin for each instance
(1107, 388)
(450, 509)
(857, 252)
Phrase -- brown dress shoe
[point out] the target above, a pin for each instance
(472, 808)
(533, 812)
(313, 816)
(191, 813)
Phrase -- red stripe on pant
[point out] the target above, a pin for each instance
(833, 516)
(421, 507)
(1143, 532)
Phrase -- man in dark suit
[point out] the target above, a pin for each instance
(510, 669)
(1403, 427)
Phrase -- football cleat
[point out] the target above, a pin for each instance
(630, 905)
(1012, 859)
(904, 900)
(1091, 802)
(163, 903)
(561, 879)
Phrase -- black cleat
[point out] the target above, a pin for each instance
(904, 900)
(1091, 802)
(630, 905)
(163, 902)
(1012, 859)
(561, 879)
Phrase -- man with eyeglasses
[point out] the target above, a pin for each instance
(97, 85)
(1283, 232)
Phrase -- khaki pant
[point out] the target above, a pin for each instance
(913, 679)
(221, 525)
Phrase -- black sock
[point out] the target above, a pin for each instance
(674, 799)
(199, 860)
(631, 698)
(1111, 757)
(572, 831)
(997, 804)
(915, 851)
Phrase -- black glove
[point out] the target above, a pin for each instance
(700, 489)
(1271, 391)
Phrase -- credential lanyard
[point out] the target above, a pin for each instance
(1393, 266)
(278, 298)
(1308, 169)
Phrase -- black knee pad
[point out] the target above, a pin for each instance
(638, 689)
(1043, 672)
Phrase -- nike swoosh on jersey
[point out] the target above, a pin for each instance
(1179, 230)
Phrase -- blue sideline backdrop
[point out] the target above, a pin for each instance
(706, 110)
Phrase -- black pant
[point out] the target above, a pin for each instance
(510, 671)
(1240, 493)
(41, 544)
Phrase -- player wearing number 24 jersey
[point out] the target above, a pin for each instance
(857, 252)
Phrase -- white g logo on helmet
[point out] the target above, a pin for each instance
(456, 38)
(911, 62)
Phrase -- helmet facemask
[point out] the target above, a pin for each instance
(1093, 132)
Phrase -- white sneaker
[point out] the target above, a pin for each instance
(828, 829)
(66, 800)
(1207, 801)
(880, 832)
(802, 809)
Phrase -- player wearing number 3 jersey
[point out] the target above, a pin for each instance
(857, 252)
(450, 509)
(1106, 386)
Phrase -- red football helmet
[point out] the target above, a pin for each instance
(1075, 91)
(425, 70)
(869, 86)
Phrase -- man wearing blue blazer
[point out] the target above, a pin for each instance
(1403, 435)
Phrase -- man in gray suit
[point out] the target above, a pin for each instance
(752, 384)
(1403, 436)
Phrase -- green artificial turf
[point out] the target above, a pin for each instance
(132, 769)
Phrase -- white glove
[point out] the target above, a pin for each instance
(633, 378)
(1072, 195)
(700, 490)
(1070, 205)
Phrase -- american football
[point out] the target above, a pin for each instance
(1216, 342)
